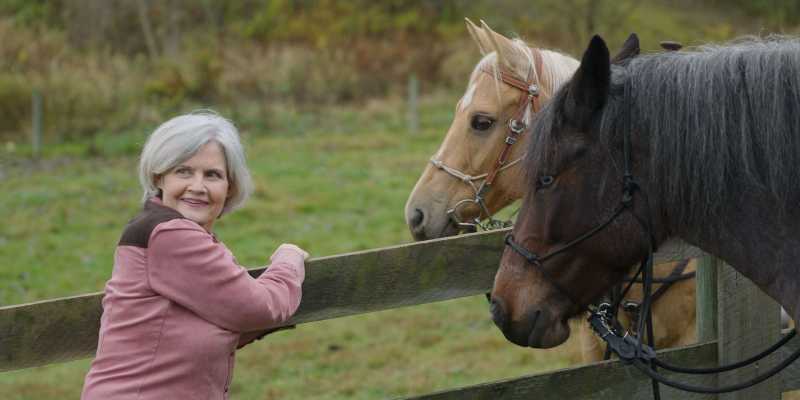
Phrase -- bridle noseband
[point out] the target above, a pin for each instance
(529, 99)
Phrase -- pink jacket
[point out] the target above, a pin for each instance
(175, 307)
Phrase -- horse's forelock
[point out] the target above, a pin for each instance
(542, 144)
(557, 69)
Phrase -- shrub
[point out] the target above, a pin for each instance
(15, 104)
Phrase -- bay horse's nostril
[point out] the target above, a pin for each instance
(498, 314)
(416, 218)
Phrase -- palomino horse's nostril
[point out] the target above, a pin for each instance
(417, 218)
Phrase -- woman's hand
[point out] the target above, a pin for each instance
(292, 247)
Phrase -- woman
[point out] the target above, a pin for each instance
(177, 304)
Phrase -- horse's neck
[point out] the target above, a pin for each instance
(761, 243)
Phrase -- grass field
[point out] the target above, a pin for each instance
(332, 182)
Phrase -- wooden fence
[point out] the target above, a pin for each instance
(735, 320)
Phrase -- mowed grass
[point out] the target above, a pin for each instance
(335, 182)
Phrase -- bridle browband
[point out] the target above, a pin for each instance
(630, 348)
(529, 99)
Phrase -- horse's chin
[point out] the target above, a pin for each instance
(539, 331)
(548, 336)
(435, 231)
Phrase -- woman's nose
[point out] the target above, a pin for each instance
(197, 184)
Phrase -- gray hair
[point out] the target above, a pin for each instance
(178, 139)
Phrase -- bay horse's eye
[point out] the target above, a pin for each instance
(544, 181)
(481, 122)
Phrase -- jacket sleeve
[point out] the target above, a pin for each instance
(186, 265)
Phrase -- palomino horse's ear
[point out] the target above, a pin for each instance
(629, 49)
(501, 44)
(588, 89)
(474, 32)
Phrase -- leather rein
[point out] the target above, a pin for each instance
(516, 126)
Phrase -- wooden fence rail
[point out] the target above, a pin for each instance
(66, 329)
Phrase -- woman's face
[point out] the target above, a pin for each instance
(198, 187)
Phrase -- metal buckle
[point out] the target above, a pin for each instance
(631, 306)
(511, 140)
(516, 126)
(533, 90)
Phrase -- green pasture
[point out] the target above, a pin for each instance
(332, 181)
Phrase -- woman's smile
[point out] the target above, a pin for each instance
(195, 202)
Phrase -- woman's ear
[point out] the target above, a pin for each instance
(158, 182)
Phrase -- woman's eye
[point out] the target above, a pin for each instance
(481, 122)
(544, 181)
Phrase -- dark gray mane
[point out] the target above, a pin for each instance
(721, 120)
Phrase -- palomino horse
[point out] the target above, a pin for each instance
(699, 145)
(446, 196)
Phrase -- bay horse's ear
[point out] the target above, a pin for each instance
(588, 89)
(629, 49)
(474, 32)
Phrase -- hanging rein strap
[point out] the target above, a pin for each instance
(633, 308)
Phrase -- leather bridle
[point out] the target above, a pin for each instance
(528, 99)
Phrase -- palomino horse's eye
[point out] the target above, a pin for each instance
(481, 122)
(544, 181)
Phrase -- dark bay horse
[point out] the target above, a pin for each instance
(714, 142)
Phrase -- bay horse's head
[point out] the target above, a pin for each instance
(572, 239)
(444, 198)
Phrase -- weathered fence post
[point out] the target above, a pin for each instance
(706, 299)
(749, 322)
(36, 123)
(706, 311)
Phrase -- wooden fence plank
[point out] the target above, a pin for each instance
(336, 286)
(599, 381)
(584, 383)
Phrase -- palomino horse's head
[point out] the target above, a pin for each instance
(573, 239)
(445, 194)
